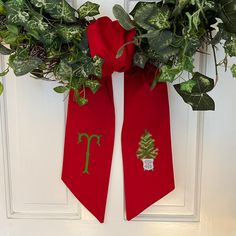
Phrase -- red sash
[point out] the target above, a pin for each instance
(146, 141)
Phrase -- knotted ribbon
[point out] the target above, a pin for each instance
(146, 141)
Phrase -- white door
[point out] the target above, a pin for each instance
(35, 202)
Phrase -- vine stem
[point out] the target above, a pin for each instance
(215, 60)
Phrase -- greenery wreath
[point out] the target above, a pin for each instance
(47, 38)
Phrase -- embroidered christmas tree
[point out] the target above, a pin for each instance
(147, 150)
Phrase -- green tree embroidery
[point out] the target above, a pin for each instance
(147, 149)
(89, 139)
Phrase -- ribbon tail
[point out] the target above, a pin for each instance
(88, 148)
(146, 142)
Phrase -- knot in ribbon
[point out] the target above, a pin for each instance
(105, 38)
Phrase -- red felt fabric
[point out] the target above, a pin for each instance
(144, 109)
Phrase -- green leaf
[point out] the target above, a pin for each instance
(70, 33)
(2, 8)
(39, 3)
(5, 72)
(88, 9)
(160, 18)
(22, 63)
(139, 6)
(16, 13)
(167, 74)
(194, 21)
(161, 43)
(194, 92)
(143, 13)
(93, 85)
(122, 16)
(63, 71)
(18, 17)
(230, 47)
(37, 24)
(60, 9)
(1, 88)
(233, 70)
(120, 52)
(4, 50)
(186, 63)
(80, 100)
(97, 66)
(60, 89)
(13, 29)
(159, 39)
(228, 14)
(91, 66)
(140, 59)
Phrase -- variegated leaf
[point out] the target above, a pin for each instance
(69, 33)
(37, 24)
(194, 92)
(39, 3)
(93, 85)
(22, 63)
(88, 9)
(18, 17)
(63, 71)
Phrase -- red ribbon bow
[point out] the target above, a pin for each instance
(146, 143)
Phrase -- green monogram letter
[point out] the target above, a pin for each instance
(89, 139)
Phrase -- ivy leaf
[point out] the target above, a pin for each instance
(233, 70)
(161, 43)
(194, 92)
(60, 89)
(167, 74)
(97, 66)
(59, 9)
(22, 63)
(123, 17)
(80, 100)
(139, 6)
(1, 88)
(230, 47)
(48, 38)
(88, 9)
(18, 17)
(21, 67)
(63, 71)
(39, 3)
(16, 13)
(228, 14)
(140, 59)
(37, 24)
(186, 63)
(70, 33)
(159, 39)
(143, 13)
(5, 72)
(4, 50)
(17, 4)
(160, 18)
(94, 85)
